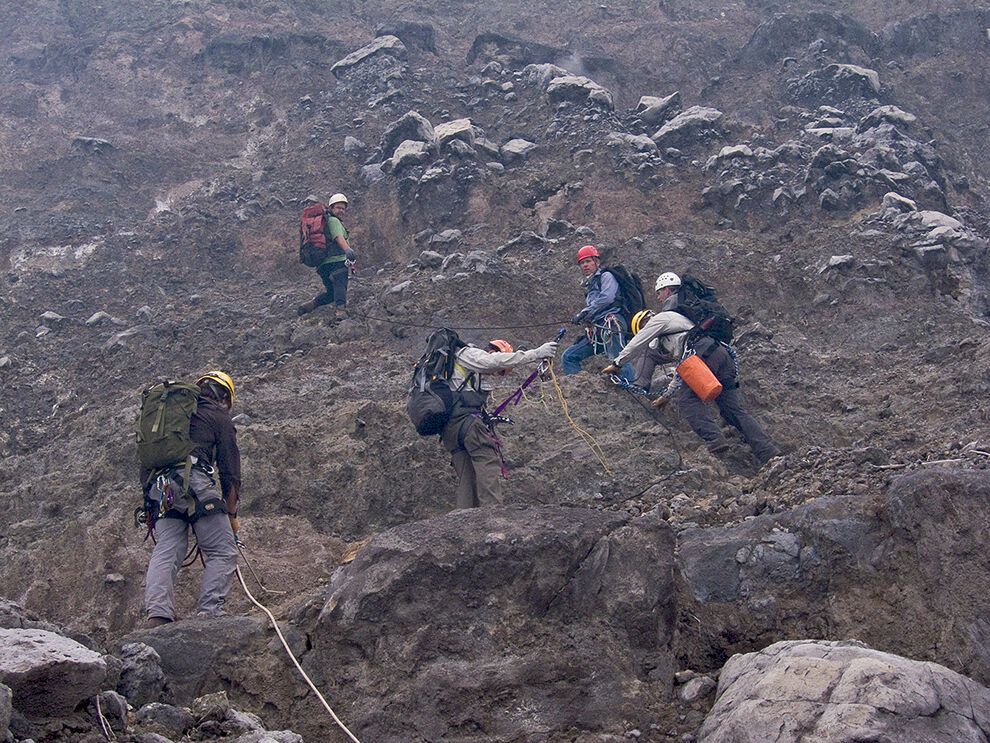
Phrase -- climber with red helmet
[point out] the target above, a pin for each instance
(602, 314)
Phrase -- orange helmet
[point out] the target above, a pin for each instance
(588, 251)
(500, 345)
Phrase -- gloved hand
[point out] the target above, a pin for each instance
(235, 525)
(611, 369)
(578, 318)
(350, 255)
(660, 402)
(547, 350)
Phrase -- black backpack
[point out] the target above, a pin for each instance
(698, 303)
(630, 289)
(431, 401)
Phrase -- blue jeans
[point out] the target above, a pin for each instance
(583, 348)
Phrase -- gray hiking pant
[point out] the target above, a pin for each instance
(477, 463)
(730, 406)
(216, 540)
(645, 366)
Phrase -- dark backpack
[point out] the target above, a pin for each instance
(630, 290)
(312, 238)
(163, 424)
(699, 304)
(431, 401)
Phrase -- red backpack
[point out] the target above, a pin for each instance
(312, 238)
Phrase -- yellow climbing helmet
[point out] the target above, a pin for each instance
(639, 320)
(221, 378)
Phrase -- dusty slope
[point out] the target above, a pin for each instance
(190, 212)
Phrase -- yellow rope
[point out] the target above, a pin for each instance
(589, 439)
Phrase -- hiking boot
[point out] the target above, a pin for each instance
(157, 621)
(339, 313)
(767, 456)
(305, 309)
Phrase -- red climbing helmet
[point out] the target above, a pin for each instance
(500, 345)
(588, 251)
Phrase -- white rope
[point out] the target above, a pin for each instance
(316, 691)
(104, 723)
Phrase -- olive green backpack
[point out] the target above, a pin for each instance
(163, 424)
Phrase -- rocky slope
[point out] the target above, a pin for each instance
(823, 169)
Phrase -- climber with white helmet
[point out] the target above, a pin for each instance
(324, 246)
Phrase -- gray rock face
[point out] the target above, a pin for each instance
(579, 89)
(542, 74)
(517, 149)
(269, 736)
(165, 718)
(192, 652)
(634, 142)
(813, 569)
(408, 153)
(836, 83)
(47, 673)
(843, 692)
(891, 114)
(686, 126)
(411, 125)
(142, 679)
(655, 111)
(388, 45)
(5, 709)
(577, 585)
(459, 129)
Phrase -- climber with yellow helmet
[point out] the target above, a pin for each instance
(198, 494)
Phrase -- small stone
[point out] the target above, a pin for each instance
(112, 579)
(517, 149)
(165, 717)
(144, 313)
(400, 287)
(101, 318)
(837, 261)
(51, 319)
(353, 145)
(430, 259)
(383, 45)
(446, 237)
(5, 362)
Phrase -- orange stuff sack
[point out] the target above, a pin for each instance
(699, 378)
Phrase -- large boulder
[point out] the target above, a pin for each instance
(412, 126)
(843, 692)
(142, 680)
(408, 153)
(448, 131)
(48, 674)
(654, 111)
(500, 624)
(383, 45)
(687, 126)
(579, 89)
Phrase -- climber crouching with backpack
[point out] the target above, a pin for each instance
(602, 316)
(707, 336)
(449, 396)
(187, 496)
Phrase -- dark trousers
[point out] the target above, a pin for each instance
(730, 406)
(645, 366)
(476, 462)
(334, 276)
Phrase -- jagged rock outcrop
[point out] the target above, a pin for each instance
(526, 603)
(47, 673)
(843, 692)
(813, 569)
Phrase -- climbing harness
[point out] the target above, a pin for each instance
(281, 637)
(606, 336)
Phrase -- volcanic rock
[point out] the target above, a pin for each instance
(383, 45)
(48, 674)
(844, 692)
(687, 126)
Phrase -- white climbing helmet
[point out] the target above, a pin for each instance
(337, 198)
(667, 279)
